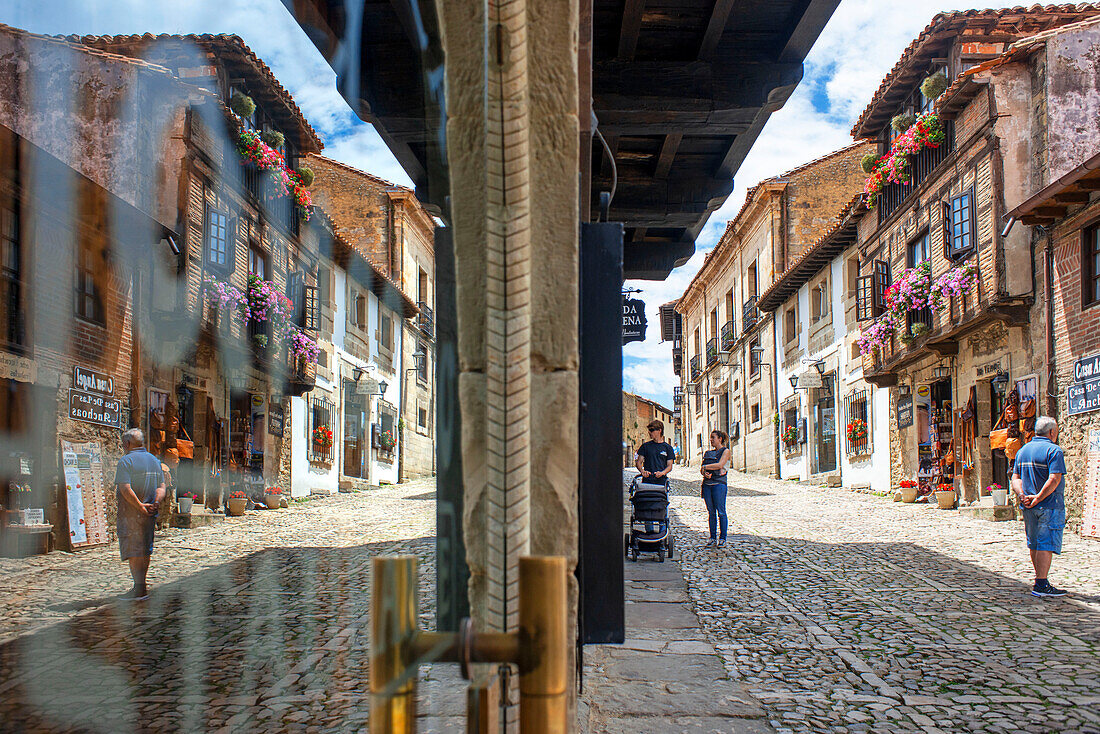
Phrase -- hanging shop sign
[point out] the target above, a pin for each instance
(367, 386)
(1086, 368)
(92, 408)
(92, 381)
(20, 369)
(1090, 516)
(905, 411)
(1083, 397)
(810, 378)
(276, 419)
(634, 323)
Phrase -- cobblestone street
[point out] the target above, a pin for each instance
(258, 624)
(845, 612)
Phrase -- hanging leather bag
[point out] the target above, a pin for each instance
(185, 445)
(1012, 445)
(999, 435)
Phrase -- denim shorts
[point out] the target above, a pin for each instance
(1043, 527)
(135, 534)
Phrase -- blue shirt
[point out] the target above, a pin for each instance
(1035, 462)
(141, 470)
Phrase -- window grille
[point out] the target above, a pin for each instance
(857, 406)
(322, 412)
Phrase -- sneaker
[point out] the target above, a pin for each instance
(133, 595)
(710, 543)
(722, 543)
(1047, 590)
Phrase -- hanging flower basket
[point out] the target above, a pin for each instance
(287, 181)
(386, 440)
(790, 435)
(925, 131)
(262, 302)
(857, 432)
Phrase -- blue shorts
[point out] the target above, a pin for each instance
(135, 534)
(1043, 527)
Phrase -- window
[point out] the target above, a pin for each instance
(729, 306)
(357, 309)
(1090, 252)
(790, 415)
(959, 226)
(819, 301)
(714, 322)
(89, 302)
(257, 263)
(11, 261)
(754, 357)
(422, 287)
(755, 413)
(218, 244)
(857, 423)
(871, 291)
(919, 250)
(790, 325)
(422, 362)
(324, 285)
(385, 329)
(322, 429)
(422, 416)
(751, 281)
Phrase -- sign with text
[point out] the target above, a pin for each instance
(810, 378)
(276, 419)
(1090, 516)
(86, 492)
(905, 411)
(1083, 397)
(91, 408)
(1086, 368)
(20, 369)
(634, 323)
(367, 386)
(993, 368)
(92, 381)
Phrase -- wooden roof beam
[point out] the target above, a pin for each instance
(693, 86)
(715, 27)
(631, 29)
(667, 154)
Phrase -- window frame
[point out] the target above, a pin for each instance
(1090, 273)
(85, 286)
(13, 335)
(229, 240)
(924, 239)
(950, 250)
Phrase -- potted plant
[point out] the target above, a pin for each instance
(236, 503)
(386, 440)
(999, 493)
(857, 432)
(322, 437)
(908, 490)
(945, 496)
(185, 501)
(273, 496)
(790, 436)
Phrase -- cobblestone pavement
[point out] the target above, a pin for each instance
(845, 612)
(257, 624)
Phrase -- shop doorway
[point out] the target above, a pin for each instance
(998, 397)
(356, 445)
(824, 431)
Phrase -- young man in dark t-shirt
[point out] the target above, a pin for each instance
(654, 458)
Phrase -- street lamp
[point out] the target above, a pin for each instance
(794, 382)
(725, 358)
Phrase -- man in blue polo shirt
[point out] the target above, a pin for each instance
(1038, 480)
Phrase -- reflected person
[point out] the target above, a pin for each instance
(139, 487)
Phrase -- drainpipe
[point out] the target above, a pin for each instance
(1048, 291)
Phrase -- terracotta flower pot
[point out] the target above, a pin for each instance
(237, 505)
(909, 494)
(945, 499)
(272, 501)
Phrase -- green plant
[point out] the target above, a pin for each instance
(934, 85)
(274, 138)
(903, 122)
(242, 104)
(305, 174)
(868, 162)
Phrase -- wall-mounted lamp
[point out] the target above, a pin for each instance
(941, 373)
(1000, 380)
(819, 365)
(358, 374)
(690, 388)
(904, 389)
(794, 382)
(725, 358)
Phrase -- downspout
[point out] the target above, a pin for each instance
(775, 389)
(1048, 292)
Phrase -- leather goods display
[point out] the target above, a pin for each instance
(999, 435)
(185, 446)
(1012, 445)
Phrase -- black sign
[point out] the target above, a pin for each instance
(1086, 368)
(275, 420)
(91, 408)
(905, 411)
(1083, 397)
(92, 381)
(634, 323)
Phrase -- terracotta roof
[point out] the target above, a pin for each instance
(364, 271)
(216, 43)
(1054, 200)
(359, 172)
(948, 25)
(838, 238)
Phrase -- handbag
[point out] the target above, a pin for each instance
(185, 445)
(1013, 445)
(1011, 413)
(998, 436)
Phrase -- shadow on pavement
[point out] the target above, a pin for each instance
(271, 640)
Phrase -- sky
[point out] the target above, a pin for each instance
(861, 43)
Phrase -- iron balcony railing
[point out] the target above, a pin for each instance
(712, 351)
(749, 315)
(727, 336)
(921, 167)
(696, 370)
(426, 321)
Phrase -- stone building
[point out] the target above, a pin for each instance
(965, 343)
(833, 426)
(1056, 209)
(78, 216)
(728, 376)
(389, 227)
(637, 413)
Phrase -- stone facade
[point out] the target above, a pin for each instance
(780, 218)
(637, 413)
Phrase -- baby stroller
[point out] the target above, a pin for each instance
(649, 508)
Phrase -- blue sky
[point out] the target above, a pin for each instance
(858, 47)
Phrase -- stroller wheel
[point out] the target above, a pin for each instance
(660, 554)
(634, 554)
(626, 545)
(670, 547)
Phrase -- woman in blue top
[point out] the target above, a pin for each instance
(714, 485)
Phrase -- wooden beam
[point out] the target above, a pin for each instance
(693, 86)
(1088, 184)
(1073, 197)
(631, 28)
(665, 123)
(1049, 210)
(667, 154)
(715, 27)
(638, 234)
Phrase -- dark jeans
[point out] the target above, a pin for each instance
(715, 497)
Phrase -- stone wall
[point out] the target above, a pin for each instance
(359, 205)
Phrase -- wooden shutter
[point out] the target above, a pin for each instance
(361, 310)
(865, 289)
(947, 243)
(881, 275)
(294, 284)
